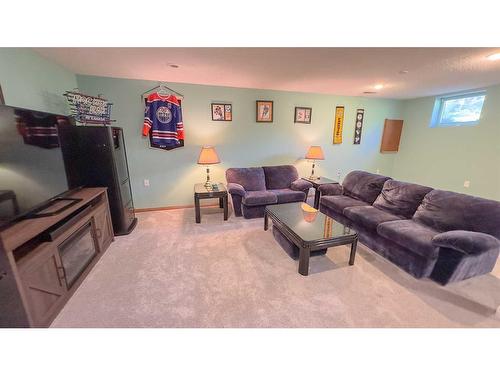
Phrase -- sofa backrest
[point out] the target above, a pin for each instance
(251, 179)
(446, 210)
(363, 185)
(280, 176)
(401, 198)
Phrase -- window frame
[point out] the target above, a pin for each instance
(436, 120)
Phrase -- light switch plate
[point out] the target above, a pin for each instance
(146, 183)
(466, 183)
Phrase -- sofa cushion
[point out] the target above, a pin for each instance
(289, 195)
(251, 179)
(330, 189)
(259, 198)
(411, 235)
(369, 216)
(446, 210)
(363, 185)
(339, 202)
(401, 198)
(280, 176)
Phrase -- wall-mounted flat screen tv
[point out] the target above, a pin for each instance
(32, 174)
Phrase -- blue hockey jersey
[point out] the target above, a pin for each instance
(163, 118)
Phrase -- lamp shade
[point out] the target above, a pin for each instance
(208, 155)
(315, 152)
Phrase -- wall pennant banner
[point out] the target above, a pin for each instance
(360, 114)
(338, 126)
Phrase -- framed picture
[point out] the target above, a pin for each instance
(264, 111)
(338, 125)
(360, 114)
(302, 115)
(222, 112)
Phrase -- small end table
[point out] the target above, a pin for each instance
(316, 184)
(201, 192)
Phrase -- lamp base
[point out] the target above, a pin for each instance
(208, 184)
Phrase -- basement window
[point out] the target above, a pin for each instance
(458, 110)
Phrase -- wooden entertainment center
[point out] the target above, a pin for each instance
(44, 260)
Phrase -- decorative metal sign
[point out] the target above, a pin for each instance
(88, 109)
(360, 114)
(338, 126)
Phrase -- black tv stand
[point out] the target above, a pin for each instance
(41, 211)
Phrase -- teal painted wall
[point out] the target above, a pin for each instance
(31, 81)
(439, 157)
(242, 142)
(445, 157)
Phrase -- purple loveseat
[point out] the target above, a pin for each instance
(442, 235)
(252, 189)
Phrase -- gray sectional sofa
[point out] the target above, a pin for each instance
(432, 233)
(253, 188)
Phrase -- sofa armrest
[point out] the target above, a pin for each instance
(331, 189)
(466, 242)
(300, 185)
(234, 188)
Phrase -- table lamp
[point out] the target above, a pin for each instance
(208, 156)
(314, 153)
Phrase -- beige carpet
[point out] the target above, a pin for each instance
(171, 272)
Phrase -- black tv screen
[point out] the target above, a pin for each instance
(31, 162)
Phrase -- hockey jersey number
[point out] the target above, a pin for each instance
(163, 119)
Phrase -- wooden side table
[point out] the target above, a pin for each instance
(316, 184)
(201, 192)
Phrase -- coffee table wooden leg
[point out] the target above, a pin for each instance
(221, 202)
(197, 209)
(353, 251)
(304, 255)
(266, 221)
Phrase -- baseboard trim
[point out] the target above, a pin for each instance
(168, 208)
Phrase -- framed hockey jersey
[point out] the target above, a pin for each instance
(38, 129)
(163, 121)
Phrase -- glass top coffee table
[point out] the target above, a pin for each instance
(309, 230)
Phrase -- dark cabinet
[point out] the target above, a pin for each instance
(95, 156)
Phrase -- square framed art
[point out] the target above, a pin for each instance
(303, 115)
(222, 112)
(264, 111)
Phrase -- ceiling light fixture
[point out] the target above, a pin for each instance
(494, 57)
(378, 86)
(403, 71)
(170, 65)
(369, 92)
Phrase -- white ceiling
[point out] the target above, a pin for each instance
(342, 71)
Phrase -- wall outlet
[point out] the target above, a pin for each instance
(338, 176)
(466, 183)
(378, 171)
(146, 183)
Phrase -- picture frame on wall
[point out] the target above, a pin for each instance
(264, 109)
(222, 112)
(303, 115)
(358, 128)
